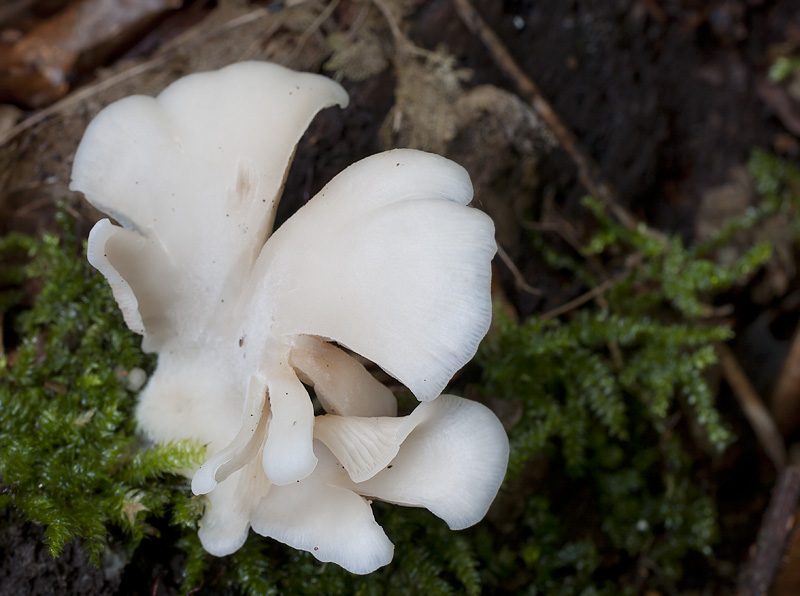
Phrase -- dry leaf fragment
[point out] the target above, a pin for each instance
(84, 418)
(35, 71)
(132, 506)
(423, 115)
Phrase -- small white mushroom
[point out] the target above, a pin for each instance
(449, 456)
(387, 261)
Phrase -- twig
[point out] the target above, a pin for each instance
(258, 43)
(358, 22)
(582, 299)
(313, 28)
(387, 13)
(588, 171)
(248, 17)
(777, 527)
(753, 408)
(519, 279)
(561, 226)
(156, 583)
(556, 227)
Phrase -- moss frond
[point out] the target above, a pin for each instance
(69, 456)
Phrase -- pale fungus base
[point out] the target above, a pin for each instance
(386, 260)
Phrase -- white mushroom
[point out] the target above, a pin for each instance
(386, 260)
(451, 460)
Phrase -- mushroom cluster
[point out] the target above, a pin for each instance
(386, 261)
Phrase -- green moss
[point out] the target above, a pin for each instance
(70, 458)
(612, 428)
(606, 473)
(783, 67)
(610, 396)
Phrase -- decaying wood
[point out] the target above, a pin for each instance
(763, 572)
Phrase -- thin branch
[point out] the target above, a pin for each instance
(258, 43)
(560, 227)
(387, 13)
(566, 231)
(771, 550)
(79, 96)
(579, 301)
(519, 279)
(248, 17)
(313, 28)
(753, 408)
(358, 22)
